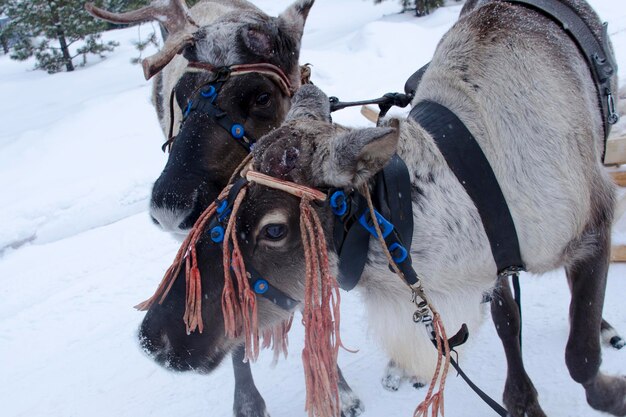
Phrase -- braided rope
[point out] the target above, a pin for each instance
(439, 333)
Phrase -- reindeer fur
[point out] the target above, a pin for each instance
(221, 22)
(521, 86)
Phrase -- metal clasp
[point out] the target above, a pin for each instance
(612, 117)
(511, 270)
(422, 313)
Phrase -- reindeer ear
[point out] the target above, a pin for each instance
(309, 102)
(358, 155)
(257, 41)
(295, 16)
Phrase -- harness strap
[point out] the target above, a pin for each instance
(204, 102)
(483, 396)
(596, 51)
(263, 288)
(469, 164)
(272, 71)
(353, 223)
(517, 290)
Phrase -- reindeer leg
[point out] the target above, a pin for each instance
(587, 277)
(608, 334)
(248, 400)
(520, 396)
(351, 405)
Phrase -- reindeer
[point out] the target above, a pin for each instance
(521, 86)
(251, 59)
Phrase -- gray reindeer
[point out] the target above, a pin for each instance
(522, 88)
(201, 43)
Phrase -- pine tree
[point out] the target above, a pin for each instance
(424, 7)
(421, 7)
(4, 34)
(52, 30)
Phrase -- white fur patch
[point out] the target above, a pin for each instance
(170, 220)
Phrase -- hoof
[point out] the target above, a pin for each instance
(520, 399)
(617, 342)
(396, 376)
(351, 407)
(610, 337)
(391, 382)
(608, 394)
(417, 384)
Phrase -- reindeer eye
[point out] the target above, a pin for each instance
(274, 231)
(262, 99)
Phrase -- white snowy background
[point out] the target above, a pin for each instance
(78, 155)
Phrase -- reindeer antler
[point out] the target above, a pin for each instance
(172, 14)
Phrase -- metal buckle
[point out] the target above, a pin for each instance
(612, 117)
(222, 74)
(511, 270)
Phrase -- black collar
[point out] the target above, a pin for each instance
(353, 223)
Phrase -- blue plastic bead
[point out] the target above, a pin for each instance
(237, 131)
(261, 286)
(221, 206)
(217, 234)
(385, 226)
(398, 252)
(338, 203)
(208, 93)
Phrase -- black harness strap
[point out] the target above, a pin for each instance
(468, 162)
(596, 51)
(204, 102)
(354, 226)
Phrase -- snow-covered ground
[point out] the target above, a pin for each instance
(78, 154)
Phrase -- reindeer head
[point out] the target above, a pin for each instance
(307, 149)
(215, 38)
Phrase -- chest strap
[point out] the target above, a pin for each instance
(469, 164)
(354, 226)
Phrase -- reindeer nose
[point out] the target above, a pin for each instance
(170, 219)
(159, 347)
(172, 210)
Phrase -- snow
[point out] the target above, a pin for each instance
(78, 155)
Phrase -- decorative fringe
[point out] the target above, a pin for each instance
(187, 253)
(276, 339)
(321, 320)
(239, 306)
